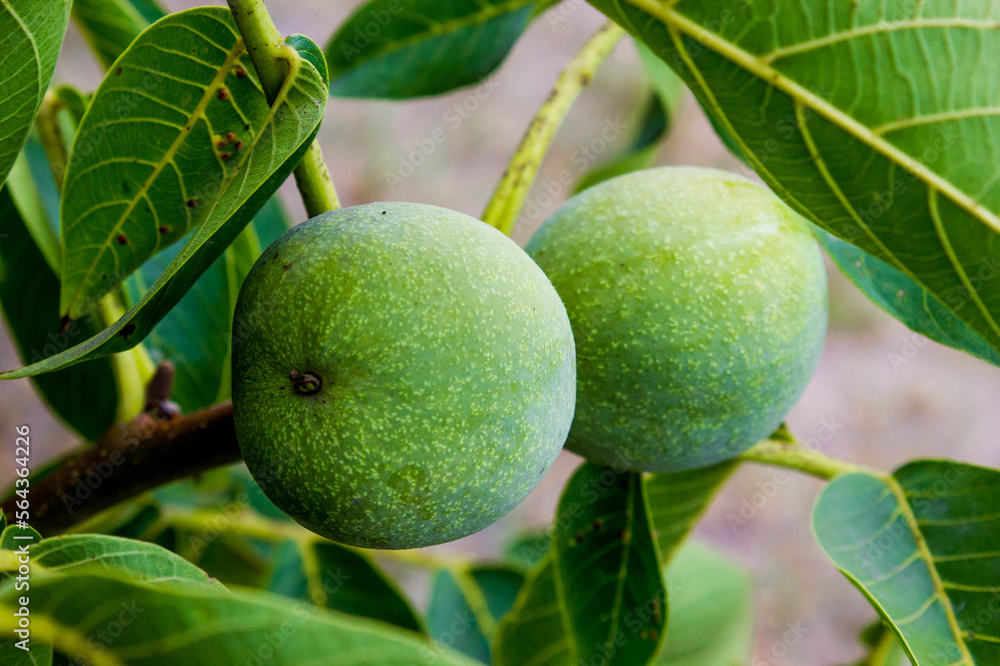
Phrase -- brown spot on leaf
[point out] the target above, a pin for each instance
(240, 72)
(121, 239)
(164, 229)
(230, 136)
(223, 94)
(224, 156)
(118, 71)
(191, 203)
(128, 330)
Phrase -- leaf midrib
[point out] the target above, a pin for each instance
(481, 16)
(199, 110)
(801, 96)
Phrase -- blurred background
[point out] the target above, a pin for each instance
(881, 396)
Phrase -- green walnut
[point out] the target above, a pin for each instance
(403, 375)
(698, 302)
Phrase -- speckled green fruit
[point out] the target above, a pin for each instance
(403, 375)
(699, 306)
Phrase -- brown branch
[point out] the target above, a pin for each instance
(128, 460)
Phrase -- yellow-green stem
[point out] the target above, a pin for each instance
(511, 191)
(793, 455)
(132, 369)
(267, 52)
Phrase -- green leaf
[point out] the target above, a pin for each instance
(109, 26)
(197, 626)
(267, 160)
(33, 32)
(396, 49)
(711, 610)
(880, 156)
(905, 300)
(81, 554)
(605, 588)
(169, 128)
(466, 604)
(85, 395)
(678, 499)
(921, 545)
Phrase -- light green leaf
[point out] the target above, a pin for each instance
(85, 395)
(711, 610)
(605, 588)
(201, 627)
(677, 500)
(221, 527)
(921, 546)
(397, 49)
(109, 26)
(267, 160)
(33, 32)
(905, 300)
(899, 157)
(466, 604)
(80, 554)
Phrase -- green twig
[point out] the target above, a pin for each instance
(508, 198)
(314, 183)
(269, 55)
(793, 455)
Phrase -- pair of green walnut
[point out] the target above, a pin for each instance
(403, 374)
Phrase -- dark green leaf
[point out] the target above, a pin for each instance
(33, 32)
(397, 49)
(880, 155)
(466, 605)
(921, 546)
(196, 333)
(608, 567)
(332, 576)
(200, 627)
(711, 610)
(85, 395)
(535, 631)
(599, 594)
(269, 157)
(905, 300)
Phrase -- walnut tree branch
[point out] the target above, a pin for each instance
(128, 460)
